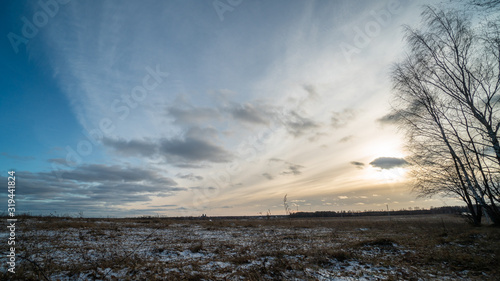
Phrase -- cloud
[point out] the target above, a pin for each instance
(104, 173)
(190, 166)
(342, 118)
(132, 191)
(292, 169)
(196, 145)
(268, 176)
(249, 113)
(399, 115)
(17, 157)
(298, 125)
(391, 118)
(189, 176)
(192, 115)
(94, 188)
(358, 165)
(164, 206)
(202, 188)
(346, 139)
(131, 147)
(252, 113)
(342, 197)
(388, 162)
(60, 161)
(317, 136)
(289, 168)
(190, 149)
(311, 90)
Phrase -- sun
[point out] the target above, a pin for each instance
(385, 148)
(390, 175)
(390, 148)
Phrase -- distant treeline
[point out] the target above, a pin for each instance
(437, 210)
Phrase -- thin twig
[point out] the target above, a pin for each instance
(135, 249)
(39, 269)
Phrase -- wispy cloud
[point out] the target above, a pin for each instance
(346, 138)
(268, 176)
(292, 169)
(342, 118)
(189, 176)
(248, 113)
(299, 125)
(193, 115)
(359, 165)
(17, 157)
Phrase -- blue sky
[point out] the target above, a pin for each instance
(189, 107)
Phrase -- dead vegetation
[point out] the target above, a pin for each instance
(375, 248)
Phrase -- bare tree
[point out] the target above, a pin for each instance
(285, 204)
(447, 95)
(485, 4)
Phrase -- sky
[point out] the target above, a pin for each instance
(183, 108)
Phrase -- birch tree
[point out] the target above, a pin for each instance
(447, 94)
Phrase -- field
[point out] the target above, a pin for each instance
(427, 247)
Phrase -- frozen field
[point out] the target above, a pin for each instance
(365, 248)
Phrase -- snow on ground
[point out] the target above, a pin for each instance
(253, 250)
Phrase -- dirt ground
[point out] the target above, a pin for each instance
(427, 247)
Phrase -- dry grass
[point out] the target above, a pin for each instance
(375, 248)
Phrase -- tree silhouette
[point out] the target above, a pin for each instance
(447, 94)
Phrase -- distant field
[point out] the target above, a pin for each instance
(428, 247)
